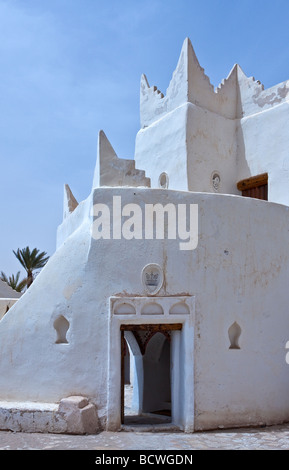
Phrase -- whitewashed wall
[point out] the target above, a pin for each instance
(238, 273)
(237, 130)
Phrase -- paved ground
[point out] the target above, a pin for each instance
(271, 438)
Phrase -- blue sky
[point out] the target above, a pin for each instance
(69, 68)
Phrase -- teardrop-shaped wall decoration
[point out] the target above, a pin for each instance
(234, 333)
(61, 325)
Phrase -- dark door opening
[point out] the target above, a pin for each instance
(146, 399)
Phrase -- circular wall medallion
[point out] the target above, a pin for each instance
(164, 181)
(216, 180)
(152, 278)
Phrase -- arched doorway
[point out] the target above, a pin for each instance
(157, 375)
(150, 346)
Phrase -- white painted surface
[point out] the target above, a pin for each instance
(113, 171)
(205, 140)
(236, 274)
(265, 145)
(238, 130)
(69, 202)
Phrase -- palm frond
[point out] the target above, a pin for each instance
(13, 281)
(31, 260)
(3, 277)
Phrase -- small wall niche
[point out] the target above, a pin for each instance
(163, 181)
(61, 326)
(179, 309)
(152, 308)
(234, 333)
(124, 308)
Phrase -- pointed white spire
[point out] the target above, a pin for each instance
(113, 171)
(226, 95)
(69, 202)
(106, 155)
(152, 103)
(189, 82)
(144, 84)
(105, 149)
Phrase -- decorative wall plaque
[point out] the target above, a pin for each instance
(152, 278)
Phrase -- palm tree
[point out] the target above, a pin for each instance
(31, 261)
(13, 281)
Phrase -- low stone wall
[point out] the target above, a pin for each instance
(73, 415)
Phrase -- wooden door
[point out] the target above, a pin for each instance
(255, 186)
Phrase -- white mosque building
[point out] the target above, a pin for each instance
(178, 257)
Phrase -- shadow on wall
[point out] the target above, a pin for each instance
(243, 170)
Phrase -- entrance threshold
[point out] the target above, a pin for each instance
(139, 424)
